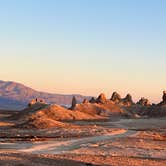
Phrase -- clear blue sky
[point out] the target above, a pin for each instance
(85, 46)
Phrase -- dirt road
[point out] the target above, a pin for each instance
(64, 146)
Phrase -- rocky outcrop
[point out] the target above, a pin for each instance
(164, 97)
(85, 101)
(74, 102)
(92, 100)
(127, 101)
(154, 110)
(144, 102)
(115, 97)
(128, 98)
(163, 102)
(36, 101)
(101, 99)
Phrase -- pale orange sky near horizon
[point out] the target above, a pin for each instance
(86, 76)
(45, 74)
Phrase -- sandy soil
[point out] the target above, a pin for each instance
(120, 142)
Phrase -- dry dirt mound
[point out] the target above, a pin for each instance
(57, 112)
(47, 116)
(43, 123)
(28, 111)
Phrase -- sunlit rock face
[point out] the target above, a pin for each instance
(101, 99)
(144, 102)
(115, 97)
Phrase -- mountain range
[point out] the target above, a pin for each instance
(15, 96)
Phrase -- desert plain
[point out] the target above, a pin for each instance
(97, 132)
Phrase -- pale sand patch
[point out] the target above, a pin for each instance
(4, 124)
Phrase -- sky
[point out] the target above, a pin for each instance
(85, 46)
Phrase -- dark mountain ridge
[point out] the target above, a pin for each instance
(15, 96)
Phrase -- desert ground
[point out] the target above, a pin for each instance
(114, 141)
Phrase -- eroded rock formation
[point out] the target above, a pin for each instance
(127, 100)
(115, 97)
(92, 100)
(35, 101)
(163, 102)
(74, 102)
(101, 99)
(164, 97)
(144, 102)
(85, 101)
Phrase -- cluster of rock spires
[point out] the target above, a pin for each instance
(101, 99)
(116, 99)
(95, 108)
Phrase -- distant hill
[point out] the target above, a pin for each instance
(16, 96)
